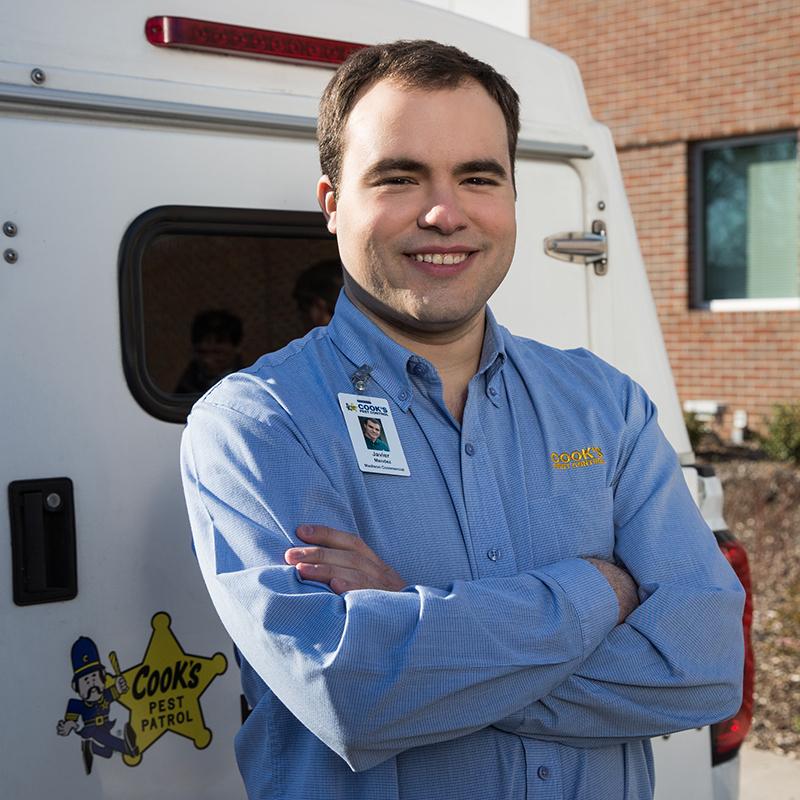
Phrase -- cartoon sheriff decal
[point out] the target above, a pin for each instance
(162, 693)
(93, 704)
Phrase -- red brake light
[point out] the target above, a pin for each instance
(727, 736)
(219, 37)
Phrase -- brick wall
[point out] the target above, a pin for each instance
(660, 74)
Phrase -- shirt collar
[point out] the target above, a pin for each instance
(493, 357)
(363, 343)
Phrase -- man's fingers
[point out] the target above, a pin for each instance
(340, 585)
(327, 555)
(329, 537)
(334, 554)
(334, 539)
(328, 573)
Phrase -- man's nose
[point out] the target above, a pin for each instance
(443, 212)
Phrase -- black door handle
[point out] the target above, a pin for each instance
(43, 554)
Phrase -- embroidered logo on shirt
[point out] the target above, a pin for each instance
(585, 457)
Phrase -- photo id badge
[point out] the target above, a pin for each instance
(373, 434)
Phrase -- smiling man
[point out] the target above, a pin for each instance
(460, 616)
(372, 433)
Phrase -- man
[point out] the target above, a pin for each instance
(372, 433)
(216, 351)
(316, 292)
(473, 628)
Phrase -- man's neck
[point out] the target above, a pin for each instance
(455, 353)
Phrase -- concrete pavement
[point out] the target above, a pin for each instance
(767, 776)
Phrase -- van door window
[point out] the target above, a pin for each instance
(206, 291)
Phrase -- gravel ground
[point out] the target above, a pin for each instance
(762, 509)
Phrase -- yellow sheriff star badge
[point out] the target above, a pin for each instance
(164, 690)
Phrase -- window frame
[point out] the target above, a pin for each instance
(186, 220)
(697, 149)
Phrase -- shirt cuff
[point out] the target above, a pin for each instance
(591, 595)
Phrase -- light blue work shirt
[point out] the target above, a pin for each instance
(500, 671)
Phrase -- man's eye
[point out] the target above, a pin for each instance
(394, 180)
(477, 180)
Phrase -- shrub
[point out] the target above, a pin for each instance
(694, 427)
(782, 441)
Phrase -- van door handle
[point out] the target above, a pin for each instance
(585, 248)
(44, 563)
(35, 570)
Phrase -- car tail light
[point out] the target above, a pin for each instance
(727, 736)
(184, 33)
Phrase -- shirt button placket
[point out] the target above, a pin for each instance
(475, 507)
(543, 778)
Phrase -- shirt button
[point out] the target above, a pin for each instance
(543, 772)
(493, 391)
(419, 369)
(492, 554)
(469, 449)
(403, 395)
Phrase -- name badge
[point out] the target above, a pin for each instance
(373, 434)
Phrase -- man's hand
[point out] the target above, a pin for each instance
(341, 560)
(623, 585)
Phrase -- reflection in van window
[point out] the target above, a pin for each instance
(214, 303)
(216, 340)
(316, 291)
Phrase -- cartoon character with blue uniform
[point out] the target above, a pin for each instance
(92, 709)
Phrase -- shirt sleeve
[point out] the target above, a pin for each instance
(370, 673)
(677, 661)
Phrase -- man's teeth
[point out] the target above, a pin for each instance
(441, 258)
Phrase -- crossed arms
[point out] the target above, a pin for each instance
(538, 654)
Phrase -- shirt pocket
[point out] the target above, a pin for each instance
(571, 524)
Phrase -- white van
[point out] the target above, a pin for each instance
(153, 170)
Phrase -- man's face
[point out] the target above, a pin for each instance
(424, 214)
(372, 430)
(218, 357)
(91, 686)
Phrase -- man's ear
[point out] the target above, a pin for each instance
(326, 197)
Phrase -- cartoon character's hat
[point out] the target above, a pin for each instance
(85, 657)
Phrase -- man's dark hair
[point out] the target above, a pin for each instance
(222, 325)
(417, 64)
(323, 280)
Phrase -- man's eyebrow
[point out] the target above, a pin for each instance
(394, 165)
(488, 165)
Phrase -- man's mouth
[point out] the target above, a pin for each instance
(440, 258)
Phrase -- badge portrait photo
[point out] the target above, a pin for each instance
(373, 435)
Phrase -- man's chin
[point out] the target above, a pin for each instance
(412, 315)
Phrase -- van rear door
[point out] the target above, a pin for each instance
(141, 625)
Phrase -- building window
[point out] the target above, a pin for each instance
(746, 219)
(206, 291)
